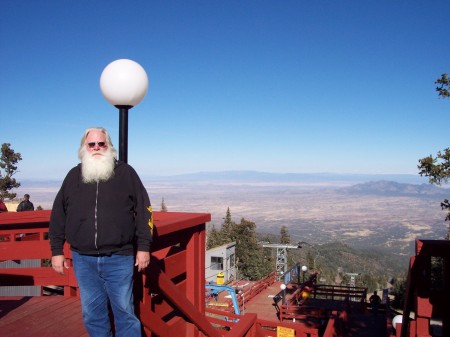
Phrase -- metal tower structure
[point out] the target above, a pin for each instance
(281, 262)
(352, 282)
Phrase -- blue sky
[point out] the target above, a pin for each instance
(275, 86)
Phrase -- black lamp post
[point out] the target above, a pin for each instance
(124, 84)
(304, 269)
(283, 288)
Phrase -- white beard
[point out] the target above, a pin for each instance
(97, 168)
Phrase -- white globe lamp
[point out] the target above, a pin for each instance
(124, 84)
(304, 269)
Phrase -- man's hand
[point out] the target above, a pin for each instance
(59, 263)
(142, 260)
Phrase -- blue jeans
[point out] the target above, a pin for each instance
(103, 280)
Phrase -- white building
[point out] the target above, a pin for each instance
(221, 259)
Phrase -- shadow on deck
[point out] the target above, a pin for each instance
(40, 316)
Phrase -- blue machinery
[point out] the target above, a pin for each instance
(214, 290)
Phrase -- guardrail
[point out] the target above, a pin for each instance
(244, 293)
(420, 296)
(26, 238)
(170, 295)
(333, 292)
(261, 328)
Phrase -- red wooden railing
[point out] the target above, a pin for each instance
(245, 293)
(170, 296)
(421, 299)
(24, 236)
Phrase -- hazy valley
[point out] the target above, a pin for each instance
(363, 213)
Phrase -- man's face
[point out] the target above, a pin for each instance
(96, 143)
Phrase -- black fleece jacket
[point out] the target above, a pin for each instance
(104, 217)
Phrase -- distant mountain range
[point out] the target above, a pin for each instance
(256, 176)
(350, 184)
(393, 188)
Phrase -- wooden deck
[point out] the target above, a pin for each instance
(360, 324)
(263, 304)
(43, 316)
(172, 295)
(56, 316)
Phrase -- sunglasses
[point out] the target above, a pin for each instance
(91, 145)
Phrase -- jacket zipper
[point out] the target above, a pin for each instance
(95, 218)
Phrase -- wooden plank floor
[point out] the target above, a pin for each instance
(263, 304)
(56, 316)
(43, 316)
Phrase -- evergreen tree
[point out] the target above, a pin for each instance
(285, 238)
(443, 86)
(437, 169)
(252, 261)
(253, 264)
(399, 291)
(8, 167)
(163, 206)
(213, 238)
(220, 237)
(227, 226)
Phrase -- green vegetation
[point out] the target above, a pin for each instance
(253, 262)
(437, 168)
(398, 292)
(333, 261)
(443, 86)
(8, 167)
(163, 206)
(285, 238)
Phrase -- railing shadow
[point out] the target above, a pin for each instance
(6, 306)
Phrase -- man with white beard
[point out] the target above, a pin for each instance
(103, 211)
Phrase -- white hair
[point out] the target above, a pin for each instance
(107, 138)
(101, 166)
